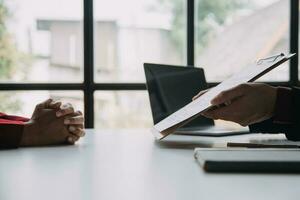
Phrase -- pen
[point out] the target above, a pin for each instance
(254, 145)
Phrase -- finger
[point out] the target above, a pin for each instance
(77, 131)
(229, 95)
(229, 113)
(209, 114)
(71, 139)
(44, 104)
(74, 120)
(78, 125)
(55, 104)
(77, 113)
(199, 94)
(231, 118)
(65, 109)
(74, 114)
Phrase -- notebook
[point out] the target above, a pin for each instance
(248, 160)
(188, 112)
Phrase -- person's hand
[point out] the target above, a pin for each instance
(73, 119)
(46, 128)
(244, 104)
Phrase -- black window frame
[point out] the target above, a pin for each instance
(89, 86)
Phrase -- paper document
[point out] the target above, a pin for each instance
(193, 109)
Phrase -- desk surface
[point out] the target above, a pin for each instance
(116, 165)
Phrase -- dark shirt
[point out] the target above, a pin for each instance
(286, 117)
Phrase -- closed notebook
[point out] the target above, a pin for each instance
(248, 160)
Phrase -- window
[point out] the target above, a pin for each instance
(122, 109)
(43, 43)
(230, 34)
(135, 32)
(91, 52)
(14, 101)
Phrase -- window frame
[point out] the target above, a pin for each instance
(89, 86)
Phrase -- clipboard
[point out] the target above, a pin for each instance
(249, 74)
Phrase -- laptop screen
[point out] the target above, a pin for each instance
(172, 87)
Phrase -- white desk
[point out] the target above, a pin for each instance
(116, 165)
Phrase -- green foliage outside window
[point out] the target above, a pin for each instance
(7, 51)
(8, 60)
(209, 15)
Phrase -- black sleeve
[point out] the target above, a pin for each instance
(292, 131)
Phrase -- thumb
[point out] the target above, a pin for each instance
(55, 105)
(44, 104)
(199, 94)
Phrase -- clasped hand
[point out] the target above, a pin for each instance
(53, 123)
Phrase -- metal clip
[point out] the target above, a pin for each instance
(269, 59)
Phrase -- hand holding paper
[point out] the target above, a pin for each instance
(203, 103)
(245, 104)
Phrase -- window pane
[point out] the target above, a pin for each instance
(232, 34)
(23, 102)
(41, 41)
(130, 33)
(122, 109)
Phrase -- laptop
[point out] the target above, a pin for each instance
(172, 87)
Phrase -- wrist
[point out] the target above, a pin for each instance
(28, 135)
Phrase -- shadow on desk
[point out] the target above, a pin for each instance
(183, 144)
